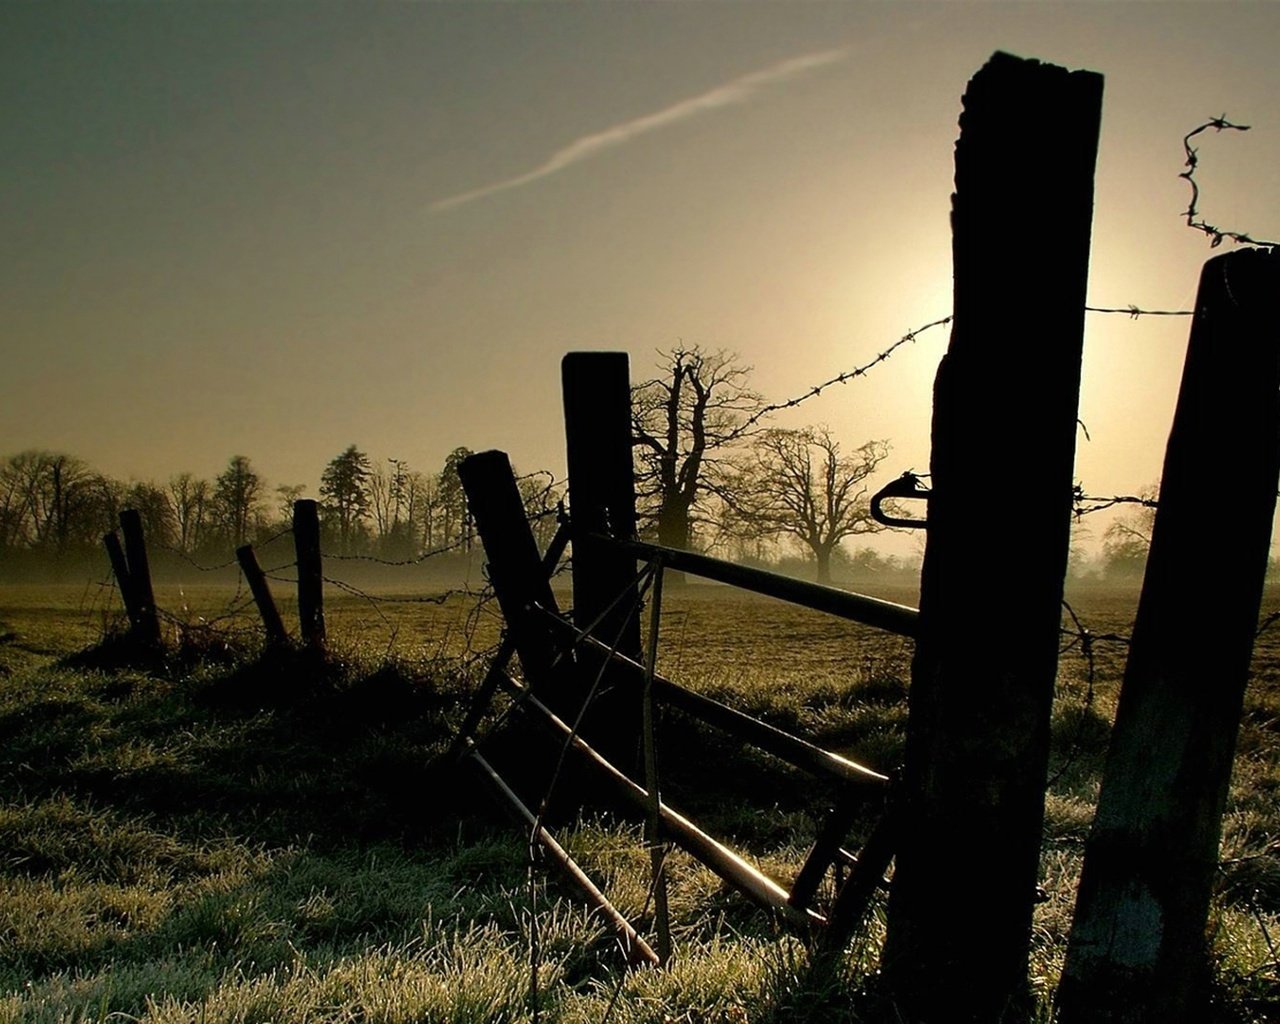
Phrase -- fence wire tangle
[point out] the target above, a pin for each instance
(1193, 217)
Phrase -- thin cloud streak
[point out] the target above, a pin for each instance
(737, 90)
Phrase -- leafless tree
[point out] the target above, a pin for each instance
(687, 421)
(189, 498)
(1128, 538)
(797, 484)
(53, 502)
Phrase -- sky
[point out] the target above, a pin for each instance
(277, 229)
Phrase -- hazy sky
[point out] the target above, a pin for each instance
(278, 229)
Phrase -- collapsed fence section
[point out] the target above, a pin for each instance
(586, 682)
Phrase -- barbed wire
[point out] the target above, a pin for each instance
(1080, 636)
(466, 541)
(1216, 234)
(1086, 504)
(1134, 312)
(230, 561)
(380, 599)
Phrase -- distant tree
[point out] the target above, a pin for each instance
(237, 500)
(286, 496)
(541, 498)
(53, 502)
(151, 502)
(190, 499)
(797, 484)
(344, 493)
(686, 422)
(398, 500)
(454, 521)
(1128, 538)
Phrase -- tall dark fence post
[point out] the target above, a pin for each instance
(1137, 948)
(306, 543)
(147, 626)
(120, 566)
(257, 581)
(602, 496)
(515, 568)
(1004, 428)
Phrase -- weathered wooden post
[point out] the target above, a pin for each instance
(120, 567)
(515, 567)
(1004, 428)
(306, 545)
(1137, 948)
(602, 496)
(147, 626)
(257, 581)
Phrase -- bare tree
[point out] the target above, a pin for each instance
(151, 502)
(541, 497)
(189, 499)
(686, 422)
(1128, 538)
(797, 484)
(53, 502)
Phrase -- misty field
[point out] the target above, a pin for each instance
(227, 837)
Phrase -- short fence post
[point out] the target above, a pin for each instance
(1137, 948)
(147, 626)
(515, 568)
(120, 566)
(602, 496)
(257, 581)
(306, 545)
(1004, 429)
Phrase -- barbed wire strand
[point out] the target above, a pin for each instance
(1216, 234)
(1086, 504)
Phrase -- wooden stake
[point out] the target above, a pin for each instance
(147, 626)
(257, 581)
(120, 567)
(1004, 429)
(515, 568)
(1137, 948)
(602, 497)
(306, 544)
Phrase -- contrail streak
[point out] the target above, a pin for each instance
(734, 91)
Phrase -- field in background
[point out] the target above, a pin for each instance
(230, 839)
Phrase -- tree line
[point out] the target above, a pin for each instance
(712, 473)
(55, 508)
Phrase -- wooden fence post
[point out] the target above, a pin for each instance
(257, 581)
(147, 626)
(602, 496)
(120, 566)
(1004, 429)
(515, 567)
(1137, 948)
(306, 544)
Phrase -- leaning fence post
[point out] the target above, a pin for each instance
(1137, 948)
(1004, 428)
(147, 626)
(602, 497)
(515, 568)
(257, 581)
(306, 545)
(119, 566)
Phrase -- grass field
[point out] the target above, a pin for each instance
(227, 838)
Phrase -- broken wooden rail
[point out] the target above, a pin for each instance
(870, 611)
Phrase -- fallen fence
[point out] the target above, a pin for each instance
(566, 659)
